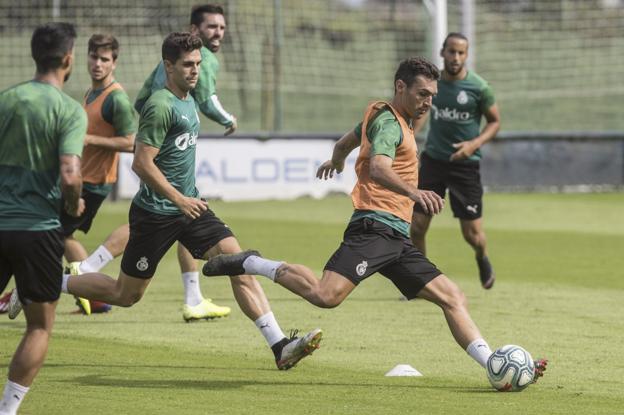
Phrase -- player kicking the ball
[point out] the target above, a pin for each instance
(377, 237)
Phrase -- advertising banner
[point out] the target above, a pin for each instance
(248, 169)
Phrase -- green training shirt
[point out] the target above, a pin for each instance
(456, 113)
(171, 125)
(117, 111)
(206, 87)
(385, 135)
(38, 123)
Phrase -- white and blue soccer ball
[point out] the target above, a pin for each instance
(510, 369)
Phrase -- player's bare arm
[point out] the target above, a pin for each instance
(466, 149)
(71, 184)
(124, 144)
(342, 149)
(143, 165)
(381, 172)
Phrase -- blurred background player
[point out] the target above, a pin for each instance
(41, 138)
(207, 22)
(167, 207)
(452, 151)
(111, 129)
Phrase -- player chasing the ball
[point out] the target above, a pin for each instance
(167, 208)
(377, 237)
(208, 23)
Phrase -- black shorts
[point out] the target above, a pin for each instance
(34, 258)
(370, 246)
(152, 234)
(463, 181)
(69, 223)
(4, 279)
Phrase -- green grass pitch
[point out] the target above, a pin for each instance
(559, 294)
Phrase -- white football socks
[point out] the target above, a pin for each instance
(64, 283)
(269, 328)
(12, 398)
(479, 351)
(255, 265)
(96, 261)
(192, 291)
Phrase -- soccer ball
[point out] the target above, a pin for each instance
(510, 369)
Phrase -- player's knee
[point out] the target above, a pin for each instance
(451, 297)
(39, 328)
(473, 237)
(456, 298)
(129, 299)
(326, 300)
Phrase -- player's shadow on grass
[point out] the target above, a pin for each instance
(225, 384)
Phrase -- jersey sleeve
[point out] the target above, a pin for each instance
(487, 97)
(214, 110)
(72, 130)
(384, 135)
(205, 92)
(118, 111)
(154, 123)
(206, 84)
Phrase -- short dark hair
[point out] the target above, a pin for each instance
(456, 35)
(197, 14)
(177, 42)
(50, 43)
(104, 41)
(410, 68)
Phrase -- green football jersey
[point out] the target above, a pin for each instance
(383, 132)
(171, 125)
(456, 113)
(206, 87)
(38, 123)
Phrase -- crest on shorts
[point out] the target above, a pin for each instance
(142, 264)
(462, 97)
(361, 268)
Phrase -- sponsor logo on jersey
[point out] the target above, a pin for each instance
(361, 268)
(142, 264)
(462, 98)
(185, 141)
(449, 114)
